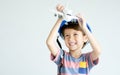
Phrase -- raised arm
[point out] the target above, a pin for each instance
(93, 42)
(51, 40)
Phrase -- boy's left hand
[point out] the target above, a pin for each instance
(81, 20)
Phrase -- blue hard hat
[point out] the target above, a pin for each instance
(64, 22)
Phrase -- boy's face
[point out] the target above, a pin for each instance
(74, 39)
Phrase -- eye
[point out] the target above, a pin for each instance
(75, 34)
(66, 35)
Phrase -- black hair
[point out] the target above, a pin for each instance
(70, 25)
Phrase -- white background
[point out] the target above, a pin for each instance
(25, 25)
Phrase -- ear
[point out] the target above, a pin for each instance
(85, 38)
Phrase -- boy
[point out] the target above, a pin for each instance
(75, 36)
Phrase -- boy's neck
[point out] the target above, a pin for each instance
(76, 54)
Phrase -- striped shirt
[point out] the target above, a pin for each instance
(68, 65)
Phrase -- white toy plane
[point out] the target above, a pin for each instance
(66, 14)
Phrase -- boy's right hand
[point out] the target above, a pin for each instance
(60, 8)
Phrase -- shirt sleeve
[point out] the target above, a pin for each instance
(58, 58)
(91, 63)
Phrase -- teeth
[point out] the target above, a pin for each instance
(72, 44)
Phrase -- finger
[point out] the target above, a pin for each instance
(79, 15)
(60, 7)
(81, 18)
(57, 7)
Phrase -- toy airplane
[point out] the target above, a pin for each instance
(66, 14)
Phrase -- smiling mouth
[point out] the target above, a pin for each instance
(72, 44)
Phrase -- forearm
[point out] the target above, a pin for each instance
(52, 37)
(53, 33)
(94, 44)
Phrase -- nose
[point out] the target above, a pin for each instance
(71, 38)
